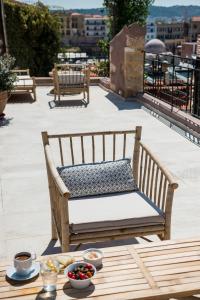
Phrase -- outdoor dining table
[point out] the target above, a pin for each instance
(157, 270)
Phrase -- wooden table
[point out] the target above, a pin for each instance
(158, 270)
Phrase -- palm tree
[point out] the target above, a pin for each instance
(3, 36)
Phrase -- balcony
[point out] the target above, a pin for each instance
(24, 199)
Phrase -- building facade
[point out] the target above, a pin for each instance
(172, 34)
(151, 30)
(96, 26)
(83, 31)
(194, 28)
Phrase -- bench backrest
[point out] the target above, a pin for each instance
(22, 72)
(80, 148)
(70, 75)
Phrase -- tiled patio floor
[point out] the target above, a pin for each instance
(24, 200)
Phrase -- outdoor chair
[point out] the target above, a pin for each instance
(24, 83)
(109, 216)
(71, 79)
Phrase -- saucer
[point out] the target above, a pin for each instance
(12, 274)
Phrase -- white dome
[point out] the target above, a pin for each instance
(155, 46)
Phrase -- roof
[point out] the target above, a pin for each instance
(196, 19)
(94, 17)
(75, 14)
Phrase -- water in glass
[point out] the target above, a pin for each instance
(49, 273)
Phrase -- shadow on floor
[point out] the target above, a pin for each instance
(21, 98)
(123, 104)
(5, 121)
(186, 298)
(53, 249)
(68, 104)
(46, 295)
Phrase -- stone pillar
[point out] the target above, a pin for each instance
(127, 61)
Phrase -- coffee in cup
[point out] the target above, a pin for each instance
(23, 262)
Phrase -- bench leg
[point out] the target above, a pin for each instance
(167, 235)
(65, 247)
(88, 95)
(34, 94)
(54, 235)
(164, 236)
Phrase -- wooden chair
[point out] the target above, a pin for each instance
(25, 83)
(156, 185)
(71, 79)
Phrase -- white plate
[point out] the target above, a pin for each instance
(11, 273)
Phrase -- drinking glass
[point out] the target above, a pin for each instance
(49, 271)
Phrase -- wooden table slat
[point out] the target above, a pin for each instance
(152, 271)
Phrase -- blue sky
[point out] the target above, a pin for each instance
(98, 3)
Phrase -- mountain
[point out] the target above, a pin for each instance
(92, 11)
(175, 11)
(155, 11)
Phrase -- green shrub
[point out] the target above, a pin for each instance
(7, 77)
(102, 68)
(33, 36)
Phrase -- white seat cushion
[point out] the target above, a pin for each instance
(24, 81)
(113, 211)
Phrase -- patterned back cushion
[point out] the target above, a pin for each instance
(98, 178)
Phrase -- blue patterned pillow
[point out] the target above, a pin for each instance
(98, 178)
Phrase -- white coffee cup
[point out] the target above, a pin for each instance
(23, 262)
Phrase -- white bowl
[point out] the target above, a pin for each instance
(96, 261)
(78, 284)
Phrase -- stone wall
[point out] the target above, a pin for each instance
(127, 61)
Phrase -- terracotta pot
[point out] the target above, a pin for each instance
(3, 101)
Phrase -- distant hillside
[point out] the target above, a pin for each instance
(155, 11)
(175, 11)
(92, 11)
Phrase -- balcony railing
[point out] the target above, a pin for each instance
(174, 80)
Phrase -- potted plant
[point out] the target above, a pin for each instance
(7, 79)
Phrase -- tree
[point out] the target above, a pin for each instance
(33, 36)
(3, 38)
(126, 12)
(104, 46)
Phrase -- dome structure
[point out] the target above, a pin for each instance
(155, 46)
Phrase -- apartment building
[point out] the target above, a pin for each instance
(194, 28)
(173, 34)
(96, 26)
(151, 30)
(83, 31)
(72, 24)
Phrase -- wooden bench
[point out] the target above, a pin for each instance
(71, 79)
(25, 83)
(146, 212)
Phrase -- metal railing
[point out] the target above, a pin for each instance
(173, 80)
(81, 57)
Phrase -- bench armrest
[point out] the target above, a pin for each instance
(154, 180)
